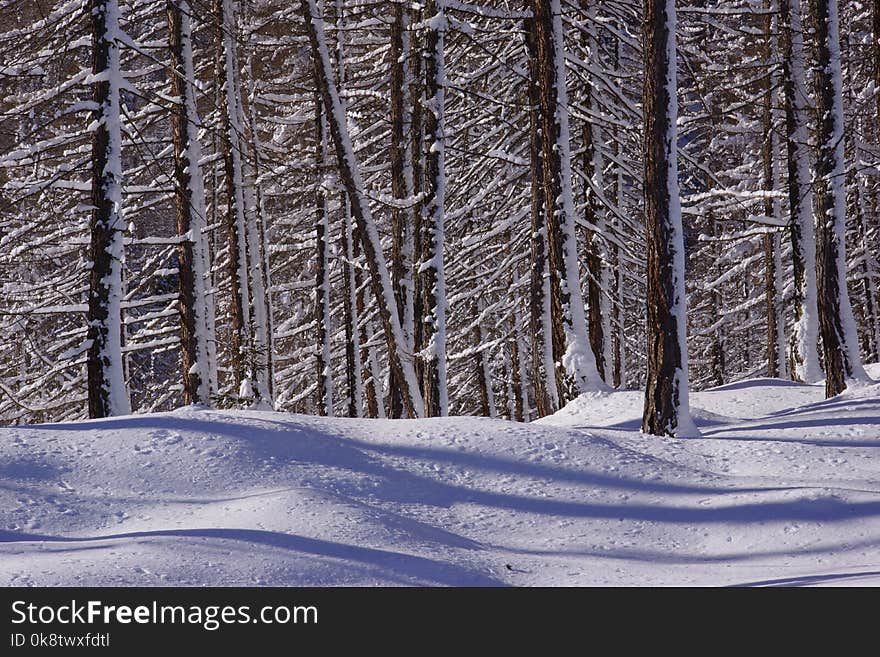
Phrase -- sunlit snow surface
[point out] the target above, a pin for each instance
(783, 488)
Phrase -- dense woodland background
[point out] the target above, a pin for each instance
(248, 275)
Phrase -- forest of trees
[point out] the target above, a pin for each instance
(388, 208)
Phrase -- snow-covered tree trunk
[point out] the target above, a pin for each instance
(598, 286)
(353, 364)
(871, 256)
(399, 360)
(324, 369)
(191, 211)
(401, 183)
(520, 370)
(540, 325)
(258, 266)
(868, 273)
(107, 392)
(373, 374)
(718, 344)
(576, 366)
(618, 315)
(482, 366)
(804, 354)
(417, 140)
(773, 288)
(867, 288)
(666, 396)
(858, 206)
(369, 375)
(618, 342)
(231, 132)
(352, 300)
(836, 321)
(875, 54)
(431, 269)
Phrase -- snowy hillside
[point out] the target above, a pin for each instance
(782, 488)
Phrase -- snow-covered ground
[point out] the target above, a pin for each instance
(782, 488)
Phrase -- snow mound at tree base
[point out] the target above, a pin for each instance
(782, 488)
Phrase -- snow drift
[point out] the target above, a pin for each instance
(782, 488)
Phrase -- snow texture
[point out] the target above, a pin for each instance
(781, 489)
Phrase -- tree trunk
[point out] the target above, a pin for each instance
(524, 411)
(575, 364)
(804, 358)
(836, 321)
(417, 138)
(666, 397)
(190, 204)
(352, 304)
(619, 315)
(324, 371)
(258, 254)
(542, 365)
(234, 221)
(482, 368)
(401, 185)
(515, 397)
(107, 394)
(431, 270)
(858, 196)
(351, 311)
(875, 52)
(776, 365)
(594, 216)
(869, 287)
(599, 274)
(400, 362)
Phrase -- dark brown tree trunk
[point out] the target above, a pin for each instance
(771, 306)
(430, 271)
(235, 238)
(538, 269)
(618, 313)
(560, 299)
(767, 156)
(594, 216)
(875, 52)
(322, 279)
(516, 382)
(593, 258)
(572, 355)
(372, 386)
(186, 301)
(106, 384)
(400, 267)
(351, 303)
(718, 350)
(803, 358)
(351, 314)
(666, 389)
(483, 382)
(835, 313)
(417, 137)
